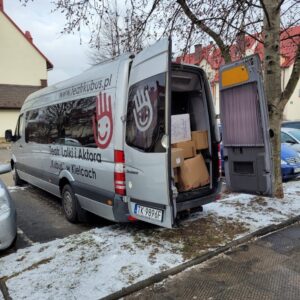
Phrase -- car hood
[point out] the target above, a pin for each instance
(288, 152)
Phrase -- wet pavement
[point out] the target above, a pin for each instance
(268, 268)
(39, 215)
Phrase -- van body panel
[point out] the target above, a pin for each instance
(245, 128)
(147, 163)
(40, 183)
(66, 174)
(121, 103)
(98, 208)
(151, 61)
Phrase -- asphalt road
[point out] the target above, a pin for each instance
(39, 215)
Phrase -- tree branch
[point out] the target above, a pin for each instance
(265, 12)
(279, 4)
(215, 36)
(291, 85)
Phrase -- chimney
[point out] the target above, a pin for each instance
(198, 50)
(1, 5)
(241, 43)
(28, 35)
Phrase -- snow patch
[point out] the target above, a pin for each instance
(17, 188)
(101, 261)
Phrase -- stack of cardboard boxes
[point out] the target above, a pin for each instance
(189, 168)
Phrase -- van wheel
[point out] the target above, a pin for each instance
(69, 204)
(18, 181)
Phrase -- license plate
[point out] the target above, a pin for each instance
(148, 212)
(297, 170)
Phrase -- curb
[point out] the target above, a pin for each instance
(5, 146)
(4, 290)
(197, 260)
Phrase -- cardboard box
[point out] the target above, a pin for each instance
(180, 128)
(177, 157)
(193, 173)
(200, 138)
(188, 148)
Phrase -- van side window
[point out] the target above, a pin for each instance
(68, 123)
(39, 127)
(77, 123)
(19, 127)
(145, 122)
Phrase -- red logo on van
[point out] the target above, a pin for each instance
(102, 122)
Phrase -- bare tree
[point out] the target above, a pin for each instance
(118, 35)
(222, 21)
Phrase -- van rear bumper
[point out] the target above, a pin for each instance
(202, 200)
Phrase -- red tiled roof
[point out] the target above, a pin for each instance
(212, 53)
(290, 40)
(49, 64)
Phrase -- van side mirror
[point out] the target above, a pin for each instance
(8, 135)
(291, 142)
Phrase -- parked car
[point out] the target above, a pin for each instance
(8, 224)
(290, 162)
(292, 137)
(291, 124)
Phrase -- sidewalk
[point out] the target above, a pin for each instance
(268, 268)
(117, 260)
(4, 145)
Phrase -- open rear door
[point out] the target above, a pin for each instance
(147, 136)
(245, 127)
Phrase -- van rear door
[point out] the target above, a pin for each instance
(245, 127)
(147, 136)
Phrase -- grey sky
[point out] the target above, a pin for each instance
(64, 51)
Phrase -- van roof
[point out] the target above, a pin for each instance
(92, 73)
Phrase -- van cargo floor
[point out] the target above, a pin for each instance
(189, 195)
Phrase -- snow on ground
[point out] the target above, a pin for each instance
(101, 261)
(17, 188)
(258, 212)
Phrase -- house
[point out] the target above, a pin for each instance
(23, 70)
(210, 59)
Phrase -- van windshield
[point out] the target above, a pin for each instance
(145, 122)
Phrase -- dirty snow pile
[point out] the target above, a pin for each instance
(101, 261)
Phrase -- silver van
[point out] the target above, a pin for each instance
(102, 140)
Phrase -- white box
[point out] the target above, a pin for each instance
(180, 128)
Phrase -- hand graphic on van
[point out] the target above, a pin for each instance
(143, 111)
(102, 122)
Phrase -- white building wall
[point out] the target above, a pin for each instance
(20, 62)
(8, 120)
(292, 108)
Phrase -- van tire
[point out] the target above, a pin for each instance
(17, 180)
(69, 204)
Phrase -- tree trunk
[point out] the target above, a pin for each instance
(275, 118)
(272, 81)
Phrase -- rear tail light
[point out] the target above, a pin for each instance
(119, 174)
(132, 219)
